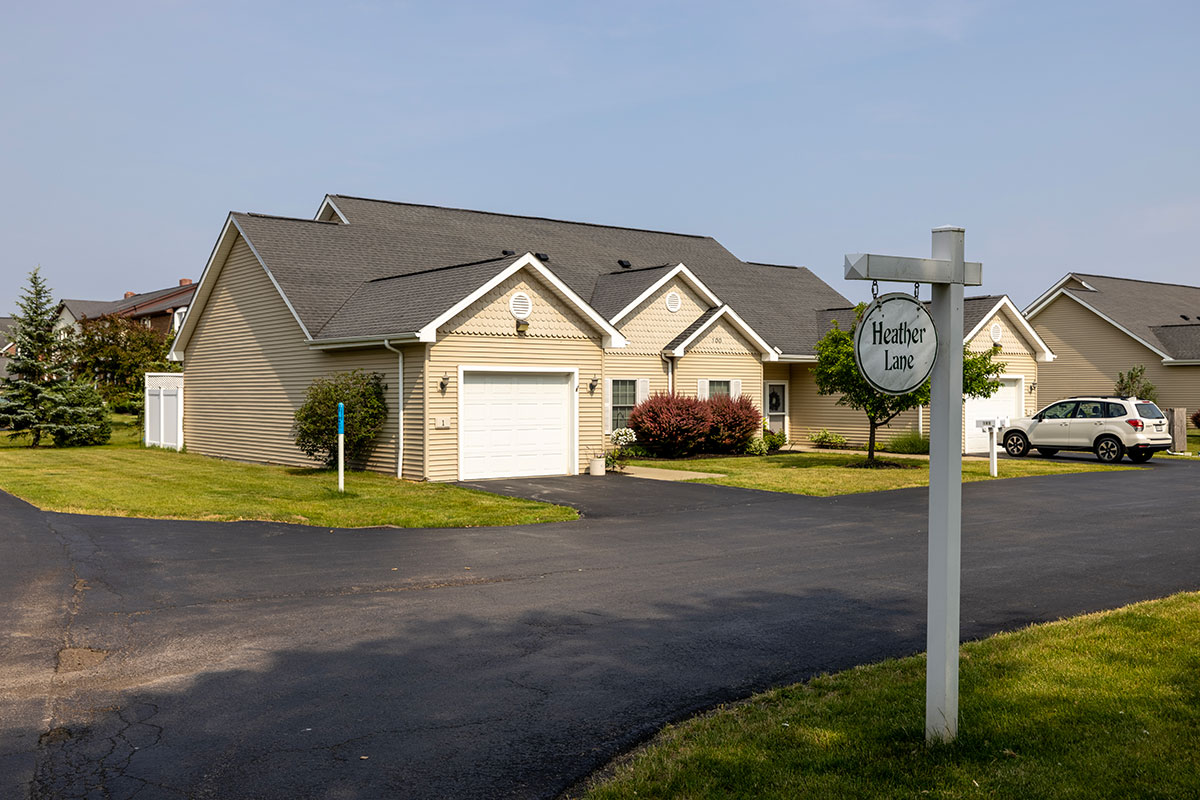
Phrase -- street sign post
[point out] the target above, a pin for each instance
(947, 272)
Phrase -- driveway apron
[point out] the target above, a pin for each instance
(256, 660)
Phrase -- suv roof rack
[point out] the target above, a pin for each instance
(1101, 397)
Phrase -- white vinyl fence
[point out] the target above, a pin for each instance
(164, 410)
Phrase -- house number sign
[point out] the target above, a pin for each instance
(895, 344)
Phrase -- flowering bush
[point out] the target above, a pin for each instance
(735, 421)
(671, 425)
(622, 440)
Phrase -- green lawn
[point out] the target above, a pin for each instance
(1101, 706)
(124, 479)
(830, 473)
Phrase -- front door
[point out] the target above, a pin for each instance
(777, 407)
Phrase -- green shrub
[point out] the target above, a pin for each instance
(79, 417)
(757, 446)
(1134, 384)
(910, 442)
(827, 438)
(315, 429)
(774, 441)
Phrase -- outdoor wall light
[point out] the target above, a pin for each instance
(522, 325)
(444, 383)
(593, 384)
(1032, 387)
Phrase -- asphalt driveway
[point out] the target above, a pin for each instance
(256, 660)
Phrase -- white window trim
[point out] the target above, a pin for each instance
(573, 406)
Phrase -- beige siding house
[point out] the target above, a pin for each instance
(511, 346)
(990, 322)
(1099, 326)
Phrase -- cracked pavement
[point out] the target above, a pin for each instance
(166, 659)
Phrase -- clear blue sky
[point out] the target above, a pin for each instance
(1062, 136)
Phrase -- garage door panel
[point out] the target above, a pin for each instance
(1006, 402)
(515, 425)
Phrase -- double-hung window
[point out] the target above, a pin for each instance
(717, 388)
(624, 398)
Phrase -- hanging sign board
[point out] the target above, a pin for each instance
(895, 344)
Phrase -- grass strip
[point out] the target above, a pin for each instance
(124, 479)
(1101, 706)
(834, 473)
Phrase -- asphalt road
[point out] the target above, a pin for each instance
(153, 659)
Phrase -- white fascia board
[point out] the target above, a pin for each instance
(768, 353)
(1181, 362)
(1119, 327)
(680, 269)
(612, 337)
(360, 341)
(785, 358)
(208, 278)
(1037, 305)
(1046, 354)
(328, 203)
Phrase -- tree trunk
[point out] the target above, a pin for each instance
(871, 442)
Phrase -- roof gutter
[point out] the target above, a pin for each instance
(784, 358)
(362, 341)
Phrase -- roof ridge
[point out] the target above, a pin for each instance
(1133, 280)
(520, 216)
(776, 266)
(438, 269)
(286, 219)
(630, 270)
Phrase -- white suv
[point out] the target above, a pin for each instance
(1110, 427)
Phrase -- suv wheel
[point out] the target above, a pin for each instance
(1109, 449)
(1016, 445)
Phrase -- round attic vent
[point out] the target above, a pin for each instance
(997, 332)
(520, 305)
(673, 302)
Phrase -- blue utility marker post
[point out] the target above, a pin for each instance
(341, 447)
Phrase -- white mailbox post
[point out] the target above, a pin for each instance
(993, 428)
(947, 272)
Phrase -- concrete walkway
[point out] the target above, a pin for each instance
(656, 474)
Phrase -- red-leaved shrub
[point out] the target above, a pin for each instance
(1196, 419)
(670, 425)
(735, 421)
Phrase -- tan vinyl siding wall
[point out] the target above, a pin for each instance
(414, 411)
(721, 353)
(447, 355)
(632, 366)
(1091, 352)
(247, 367)
(1016, 351)
(650, 327)
(550, 318)
(810, 412)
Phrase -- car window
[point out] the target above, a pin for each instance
(1090, 409)
(1115, 410)
(1149, 411)
(1059, 410)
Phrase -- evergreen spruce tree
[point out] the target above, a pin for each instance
(37, 398)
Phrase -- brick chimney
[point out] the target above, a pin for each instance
(129, 295)
(185, 281)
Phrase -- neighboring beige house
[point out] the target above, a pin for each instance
(510, 345)
(161, 310)
(989, 322)
(1099, 326)
(6, 344)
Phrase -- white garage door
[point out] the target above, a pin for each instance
(515, 424)
(1006, 402)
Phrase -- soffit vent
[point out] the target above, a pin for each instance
(520, 305)
(997, 332)
(674, 302)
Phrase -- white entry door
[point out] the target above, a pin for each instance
(1006, 402)
(515, 424)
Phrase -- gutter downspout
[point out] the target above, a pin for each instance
(670, 372)
(399, 407)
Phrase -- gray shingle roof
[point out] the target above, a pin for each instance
(974, 310)
(138, 305)
(330, 271)
(1181, 341)
(1146, 309)
(696, 325)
